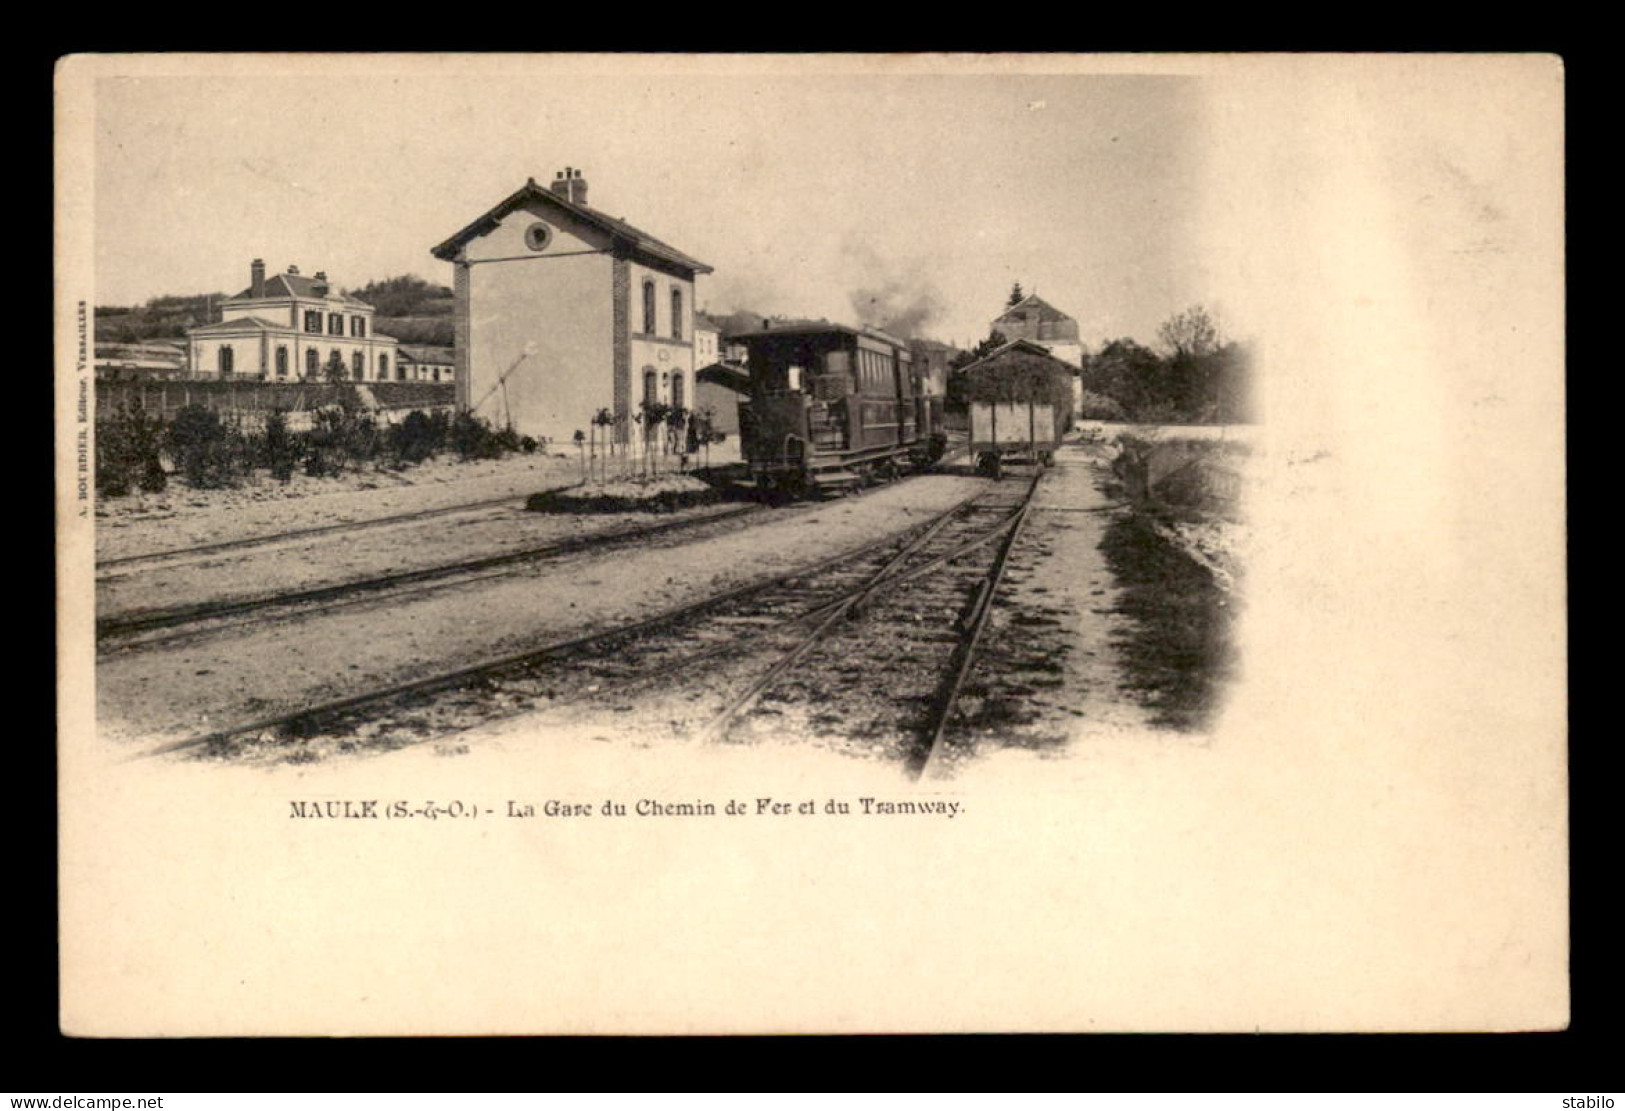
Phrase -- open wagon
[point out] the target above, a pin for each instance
(1015, 430)
(1019, 397)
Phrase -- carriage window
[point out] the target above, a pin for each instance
(793, 379)
(837, 362)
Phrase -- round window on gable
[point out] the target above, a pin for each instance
(538, 236)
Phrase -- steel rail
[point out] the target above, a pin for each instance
(859, 594)
(852, 605)
(317, 530)
(308, 719)
(930, 759)
(143, 621)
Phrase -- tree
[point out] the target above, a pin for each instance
(1016, 296)
(1190, 334)
(995, 340)
(334, 370)
(602, 422)
(1126, 372)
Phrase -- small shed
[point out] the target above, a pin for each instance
(720, 387)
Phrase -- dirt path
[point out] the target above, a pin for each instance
(1049, 672)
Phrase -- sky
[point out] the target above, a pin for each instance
(812, 189)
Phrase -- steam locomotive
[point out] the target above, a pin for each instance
(831, 407)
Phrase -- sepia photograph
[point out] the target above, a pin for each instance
(810, 543)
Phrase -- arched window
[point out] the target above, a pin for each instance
(648, 308)
(676, 391)
(358, 365)
(676, 314)
(313, 363)
(651, 385)
(225, 359)
(282, 362)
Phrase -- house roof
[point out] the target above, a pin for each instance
(1047, 312)
(242, 323)
(418, 353)
(639, 240)
(297, 285)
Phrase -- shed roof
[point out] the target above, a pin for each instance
(733, 377)
(419, 353)
(638, 239)
(1025, 346)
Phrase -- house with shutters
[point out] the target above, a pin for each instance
(1036, 320)
(290, 327)
(562, 310)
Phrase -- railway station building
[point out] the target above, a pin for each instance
(288, 327)
(562, 310)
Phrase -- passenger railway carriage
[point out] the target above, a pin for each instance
(831, 406)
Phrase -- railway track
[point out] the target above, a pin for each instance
(115, 630)
(887, 669)
(646, 665)
(181, 555)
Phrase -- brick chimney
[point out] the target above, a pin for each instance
(294, 270)
(256, 278)
(569, 184)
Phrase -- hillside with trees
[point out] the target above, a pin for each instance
(165, 317)
(409, 308)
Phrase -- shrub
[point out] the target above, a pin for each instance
(327, 441)
(417, 438)
(474, 438)
(127, 454)
(1097, 406)
(207, 451)
(281, 451)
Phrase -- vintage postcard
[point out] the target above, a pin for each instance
(811, 543)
